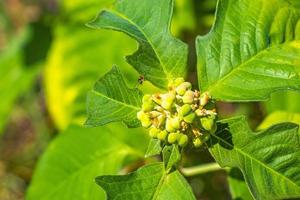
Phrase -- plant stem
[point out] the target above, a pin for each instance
(201, 169)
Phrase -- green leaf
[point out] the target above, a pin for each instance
(268, 159)
(287, 101)
(148, 182)
(252, 50)
(81, 10)
(171, 156)
(112, 101)
(154, 148)
(237, 185)
(160, 56)
(280, 117)
(67, 82)
(72, 161)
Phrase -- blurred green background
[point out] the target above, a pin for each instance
(49, 60)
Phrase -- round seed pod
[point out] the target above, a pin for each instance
(183, 140)
(162, 135)
(188, 97)
(153, 132)
(189, 118)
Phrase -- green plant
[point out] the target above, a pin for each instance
(252, 51)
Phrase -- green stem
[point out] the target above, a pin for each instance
(201, 169)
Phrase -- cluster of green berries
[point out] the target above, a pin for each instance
(179, 116)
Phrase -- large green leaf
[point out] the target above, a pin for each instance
(160, 56)
(238, 188)
(112, 101)
(252, 50)
(269, 160)
(72, 161)
(149, 182)
(68, 77)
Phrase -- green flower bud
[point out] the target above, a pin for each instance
(153, 132)
(188, 85)
(200, 112)
(147, 98)
(207, 123)
(180, 90)
(188, 97)
(204, 99)
(172, 137)
(183, 87)
(189, 118)
(178, 81)
(161, 120)
(162, 135)
(167, 101)
(169, 126)
(183, 140)
(166, 105)
(184, 110)
(141, 115)
(148, 106)
(197, 142)
(146, 123)
(175, 122)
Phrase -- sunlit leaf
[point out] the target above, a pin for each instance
(112, 101)
(72, 161)
(252, 50)
(77, 59)
(149, 182)
(269, 160)
(160, 56)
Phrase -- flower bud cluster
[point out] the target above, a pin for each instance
(180, 116)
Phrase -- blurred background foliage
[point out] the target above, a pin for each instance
(49, 60)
